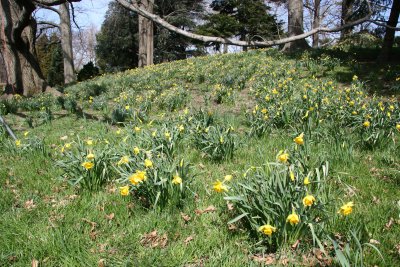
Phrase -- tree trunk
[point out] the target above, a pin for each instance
(389, 35)
(17, 32)
(66, 43)
(226, 48)
(345, 17)
(295, 26)
(146, 35)
(316, 22)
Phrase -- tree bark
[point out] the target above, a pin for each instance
(316, 22)
(17, 32)
(295, 26)
(146, 35)
(345, 17)
(388, 40)
(66, 43)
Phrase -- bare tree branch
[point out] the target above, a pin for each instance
(49, 8)
(73, 16)
(384, 25)
(53, 2)
(52, 24)
(133, 5)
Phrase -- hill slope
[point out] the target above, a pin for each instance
(182, 136)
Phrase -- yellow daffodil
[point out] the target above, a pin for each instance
(299, 139)
(398, 127)
(148, 163)
(181, 128)
(137, 129)
(306, 181)
(123, 160)
(89, 142)
(176, 179)
(136, 150)
(283, 157)
(17, 143)
(228, 178)
(127, 107)
(308, 200)
(87, 165)
(124, 191)
(292, 177)
(267, 229)
(90, 156)
(138, 177)
(134, 179)
(346, 209)
(366, 124)
(26, 133)
(293, 218)
(219, 187)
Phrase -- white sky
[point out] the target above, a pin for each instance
(87, 13)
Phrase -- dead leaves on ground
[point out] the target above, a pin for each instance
(154, 240)
(209, 209)
(316, 258)
(93, 225)
(188, 239)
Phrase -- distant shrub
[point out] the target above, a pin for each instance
(88, 71)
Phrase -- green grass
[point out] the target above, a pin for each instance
(65, 226)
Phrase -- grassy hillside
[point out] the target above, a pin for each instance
(180, 164)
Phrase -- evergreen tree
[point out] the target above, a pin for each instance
(44, 52)
(182, 14)
(55, 74)
(117, 41)
(247, 19)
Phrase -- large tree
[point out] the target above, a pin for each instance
(17, 44)
(66, 43)
(146, 35)
(295, 25)
(388, 40)
(117, 42)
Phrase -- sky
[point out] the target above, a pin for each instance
(87, 13)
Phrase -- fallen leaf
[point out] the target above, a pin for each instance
(267, 260)
(375, 200)
(35, 263)
(188, 239)
(374, 242)
(398, 249)
(389, 224)
(101, 263)
(230, 205)
(93, 233)
(110, 216)
(153, 240)
(232, 227)
(210, 208)
(201, 166)
(296, 244)
(185, 217)
(29, 204)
